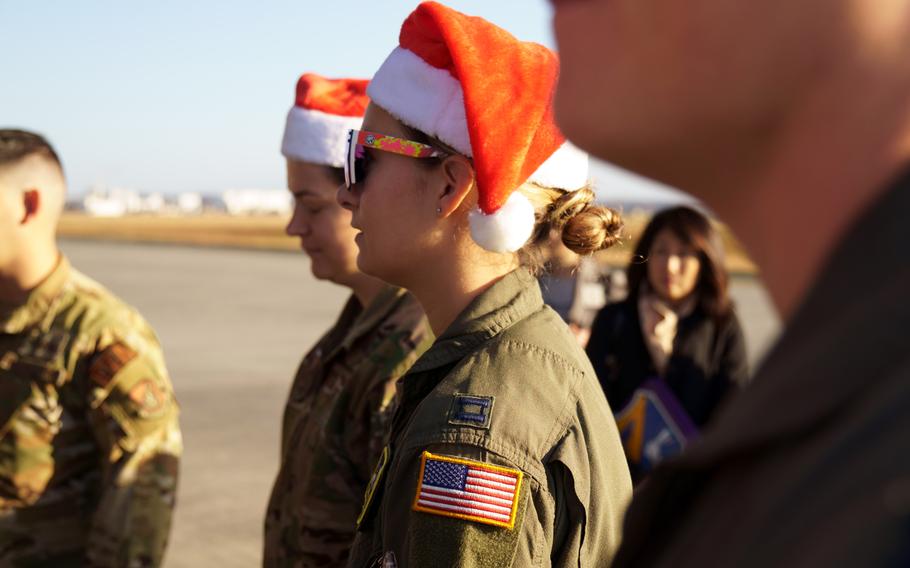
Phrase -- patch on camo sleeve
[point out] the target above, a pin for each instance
(468, 490)
(109, 362)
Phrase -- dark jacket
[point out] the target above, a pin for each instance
(708, 358)
(809, 465)
(506, 389)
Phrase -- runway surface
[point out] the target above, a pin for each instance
(234, 325)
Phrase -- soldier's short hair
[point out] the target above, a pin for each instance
(17, 144)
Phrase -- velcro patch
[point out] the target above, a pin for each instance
(469, 490)
(109, 362)
(148, 396)
(471, 410)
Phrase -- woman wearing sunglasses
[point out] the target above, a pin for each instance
(341, 398)
(503, 450)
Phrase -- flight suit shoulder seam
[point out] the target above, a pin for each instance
(564, 418)
(462, 437)
(538, 350)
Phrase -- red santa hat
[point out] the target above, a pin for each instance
(480, 90)
(323, 112)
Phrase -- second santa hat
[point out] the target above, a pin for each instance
(477, 88)
(323, 112)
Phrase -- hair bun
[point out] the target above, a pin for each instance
(568, 205)
(586, 228)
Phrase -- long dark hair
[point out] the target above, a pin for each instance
(696, 231)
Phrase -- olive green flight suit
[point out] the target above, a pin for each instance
(506, 392)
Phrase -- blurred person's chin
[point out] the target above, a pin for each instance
(579, 100)
(632, 92)
(601, 101)
(322, 269)
(364, 265)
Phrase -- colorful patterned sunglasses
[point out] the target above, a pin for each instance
(355, 166)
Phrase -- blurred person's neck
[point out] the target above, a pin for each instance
(26, 271)
(835, 155)
(366, 288)
(682, 306)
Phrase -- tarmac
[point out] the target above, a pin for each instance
(234, 325)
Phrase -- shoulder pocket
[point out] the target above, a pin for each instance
(16, 380)
(29, 421)
(14, 392)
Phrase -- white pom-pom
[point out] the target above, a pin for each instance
(506, 230)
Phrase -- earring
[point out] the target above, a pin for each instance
(439, 210)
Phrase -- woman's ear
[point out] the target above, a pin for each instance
(457, 181)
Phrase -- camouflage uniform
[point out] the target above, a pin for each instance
(89, 442)
(334, 428)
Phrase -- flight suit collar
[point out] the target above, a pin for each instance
(13, 319)
(514, 297)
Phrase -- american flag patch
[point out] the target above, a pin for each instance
(467, 489)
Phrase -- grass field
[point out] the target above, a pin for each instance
(267, 232)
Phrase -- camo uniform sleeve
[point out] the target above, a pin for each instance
(391, 358)
(133, 414)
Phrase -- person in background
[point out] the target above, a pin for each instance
(791, 121)
(675, 337)
(89, 438)
(343, 393)
(576, 287)
(503, 451)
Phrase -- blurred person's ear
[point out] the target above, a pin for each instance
(31, 202)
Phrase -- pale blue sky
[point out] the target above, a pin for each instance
(191, 95)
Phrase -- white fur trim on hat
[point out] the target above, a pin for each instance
(423, 97)
(317, 137)
(566, 168)
(506, 230)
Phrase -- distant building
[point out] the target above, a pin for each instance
(213, 204)
(117, 202)
(114, 202)
(153, 203)
(190, 203)
(257, 201)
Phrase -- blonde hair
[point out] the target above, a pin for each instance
(585, 228)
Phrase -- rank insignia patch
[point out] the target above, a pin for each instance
(468, 490)
(109, 362)
(471, 410)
